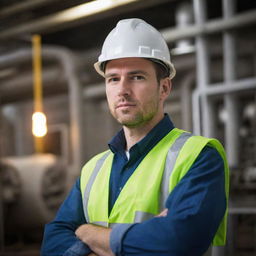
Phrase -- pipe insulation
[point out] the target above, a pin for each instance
(43, 188)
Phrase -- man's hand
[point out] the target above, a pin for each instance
(163, 213)
(96, 237)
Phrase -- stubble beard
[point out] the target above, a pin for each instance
(137, 119)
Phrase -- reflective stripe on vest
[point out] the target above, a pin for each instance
(161, 170)
(90, 183)
(169, 166)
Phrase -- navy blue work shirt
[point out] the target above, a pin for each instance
(196, 207)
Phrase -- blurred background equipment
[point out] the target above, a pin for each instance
(35, 186)
(214, 94)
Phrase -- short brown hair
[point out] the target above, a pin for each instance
(162, 71)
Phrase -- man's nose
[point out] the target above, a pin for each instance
(124, 87)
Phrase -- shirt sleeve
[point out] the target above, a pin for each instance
(59, 234)
(196, 207)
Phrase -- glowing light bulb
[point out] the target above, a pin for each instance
(39, 127)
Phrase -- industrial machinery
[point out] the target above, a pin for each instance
(32, 189)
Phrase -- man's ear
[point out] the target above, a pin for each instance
(165, 87)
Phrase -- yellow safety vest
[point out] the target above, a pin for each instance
(146, 191)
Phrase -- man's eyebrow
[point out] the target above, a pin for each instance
(110, 75)
(135, 72)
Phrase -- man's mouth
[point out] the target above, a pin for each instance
(125, 105)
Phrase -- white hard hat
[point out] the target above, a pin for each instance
(135, 38)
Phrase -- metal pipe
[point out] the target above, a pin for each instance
(186, 89)
(183, 18)
(204, 126)
(230, 101)
(68, 62)
(196, 112)
(200, 80)
(24, 81)
(225, 88)
(215, 90)
(232, 130)
(210, 27)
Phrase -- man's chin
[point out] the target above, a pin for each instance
(130, 123)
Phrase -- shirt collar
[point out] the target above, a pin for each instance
(118, 142)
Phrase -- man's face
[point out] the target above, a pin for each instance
(133, 93)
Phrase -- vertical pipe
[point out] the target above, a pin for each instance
(205, 125)
(183, 18)
(68, 61)
(202, 58)
(76, 109)
(37, 68)
(186, 89)
(230, 101)
(203, 79)
(231, 106)
(196, 112)
(232, 130)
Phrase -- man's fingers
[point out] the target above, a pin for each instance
(163, 213)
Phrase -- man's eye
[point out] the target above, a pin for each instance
(138, 78)
(112, 79)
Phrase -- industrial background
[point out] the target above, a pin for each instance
(213, 47)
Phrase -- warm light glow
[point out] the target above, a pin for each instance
(89, 8)
(39, 127)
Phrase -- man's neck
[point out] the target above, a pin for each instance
(134, 134)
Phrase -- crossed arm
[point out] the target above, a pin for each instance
(98, 238)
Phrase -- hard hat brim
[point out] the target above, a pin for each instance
(98, 66)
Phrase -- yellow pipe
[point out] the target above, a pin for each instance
(37, 77)
(37, 67)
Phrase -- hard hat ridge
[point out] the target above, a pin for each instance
(134, 38)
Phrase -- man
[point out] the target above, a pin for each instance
(158, 190)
